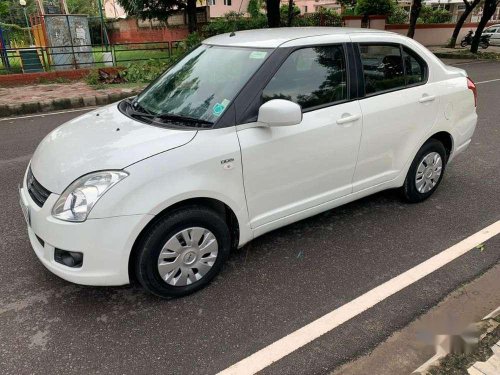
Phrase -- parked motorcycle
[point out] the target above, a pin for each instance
(484, 41)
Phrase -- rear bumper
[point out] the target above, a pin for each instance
(105, 243)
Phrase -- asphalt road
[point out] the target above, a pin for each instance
(269, 288)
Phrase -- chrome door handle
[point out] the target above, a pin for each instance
(347, 119)
(427, 98)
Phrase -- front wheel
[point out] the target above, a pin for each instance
(426, 172)
(463, 43)
(182, 252)
(484, 45)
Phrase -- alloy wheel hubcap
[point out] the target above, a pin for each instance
(187, 256)
(428, 172)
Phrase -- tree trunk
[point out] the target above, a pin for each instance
(469, 7)
(489, 10)
(273, 13)
(191, 14)
(290, 13)
(415, 12)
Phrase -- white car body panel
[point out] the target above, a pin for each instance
(267, 176)
(98, 135)
(292, 168)
(494, 36)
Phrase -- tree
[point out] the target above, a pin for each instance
(429, 14)
(83, 7)
(373, 7)
(273, 13)
(416, 6)
(290, 13)
(489, 9)
(254, 7)
(469, 7)
(161, 9)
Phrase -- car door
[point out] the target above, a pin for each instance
(398, 110)
(292, 168)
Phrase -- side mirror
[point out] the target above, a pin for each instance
(280, 112)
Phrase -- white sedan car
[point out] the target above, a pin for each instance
(493, 32)
(249, 132)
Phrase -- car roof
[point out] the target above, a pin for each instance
(273, 38)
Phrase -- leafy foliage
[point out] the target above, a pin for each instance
(233, 22)
(145, 72)
(254, 8)
(398, 16)
(284, 13)
(15, 34)
(430, 15)
(374, 7)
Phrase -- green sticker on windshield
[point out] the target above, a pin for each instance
(220, 107)
(258, 55)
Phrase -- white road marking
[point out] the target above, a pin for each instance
(48, 114)
(491, 80)
(295, 340)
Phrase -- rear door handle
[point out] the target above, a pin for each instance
(427, 98)
(347, 118)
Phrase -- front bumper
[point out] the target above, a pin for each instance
(105, 243)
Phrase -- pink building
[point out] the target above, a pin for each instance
(312, 6)
(218, 8)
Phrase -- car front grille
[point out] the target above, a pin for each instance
(36, 191)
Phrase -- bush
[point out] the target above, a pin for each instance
(430, 15)
(284, 13)
(374, 7)
(254, 7)
(398, 16)
(145, 72)
(15, 34)
(324, 17)
(233, 22)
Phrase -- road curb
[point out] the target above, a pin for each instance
(101, 98)
(434, 361)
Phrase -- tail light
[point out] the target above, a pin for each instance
(472, 86)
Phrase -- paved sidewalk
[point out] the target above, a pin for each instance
(489, 367)
(23, 100)
(411, 347)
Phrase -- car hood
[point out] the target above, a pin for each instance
(99, 140)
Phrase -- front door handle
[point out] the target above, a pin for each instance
(427, 98)
(347, 118)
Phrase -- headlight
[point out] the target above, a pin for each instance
(78, 199)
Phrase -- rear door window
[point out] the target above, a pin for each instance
(383, 67)
(415, 67)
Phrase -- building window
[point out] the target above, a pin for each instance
(211, 2)
(305, 9)
(227, 2)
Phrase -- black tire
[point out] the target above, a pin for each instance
(463, 43)
(409, 189)
(146, 262)
(484, 45)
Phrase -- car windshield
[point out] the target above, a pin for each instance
(203, 84)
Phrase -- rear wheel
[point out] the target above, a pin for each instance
(463, 43)
(183, 252)
(426, 172)
(484, 45)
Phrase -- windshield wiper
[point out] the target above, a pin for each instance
(195, 120)
(137, 110)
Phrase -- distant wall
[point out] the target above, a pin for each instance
(128, 31)
(437, 34)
